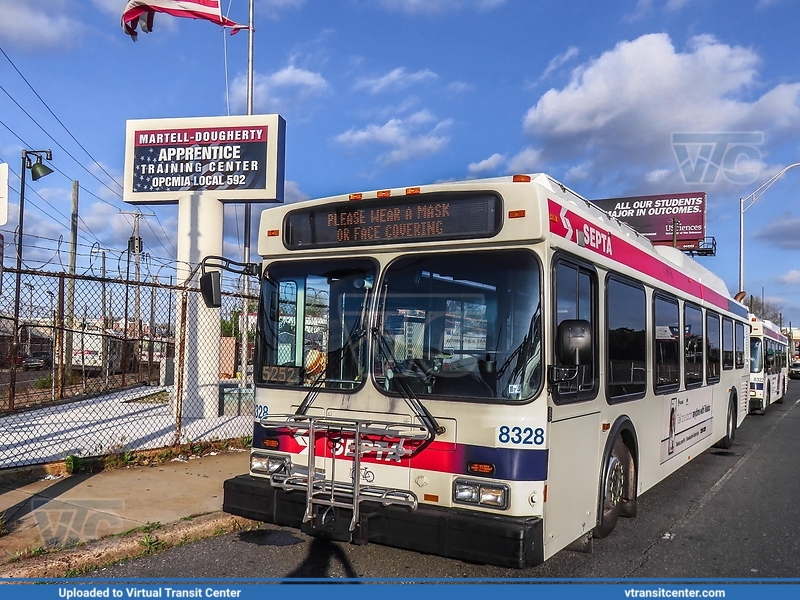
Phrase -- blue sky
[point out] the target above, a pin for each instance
(384, 93)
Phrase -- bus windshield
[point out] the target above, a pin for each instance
(460, 325)
(756, 355)
(312, 323)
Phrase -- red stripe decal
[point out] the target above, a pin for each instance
(571, 226)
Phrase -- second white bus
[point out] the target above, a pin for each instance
(769, 364)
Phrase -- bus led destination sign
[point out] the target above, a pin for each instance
(429, 217)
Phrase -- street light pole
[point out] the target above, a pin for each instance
(752, 199)
(30, 315)
(52, 345)
(38, 171)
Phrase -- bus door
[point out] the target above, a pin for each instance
(574, 431)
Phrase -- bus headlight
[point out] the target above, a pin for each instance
(494, 495)
(269, 464)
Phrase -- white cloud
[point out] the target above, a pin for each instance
(395, 79)
(618, 111)
(676, 5)
(559, 60)
(292, 192)
(528, 160)
(781, 232)
(406, 138)
(439, 6)
(272, 8)
(291, 76)
(642, 8)
(110, 7)
(657, 175)
(459, 87)
(578, 172)
(487, 165)
(38, 26)
(280, 91)
(791, 277)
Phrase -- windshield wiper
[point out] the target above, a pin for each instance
(406, 392)
(312, 394)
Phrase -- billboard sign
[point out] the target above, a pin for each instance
(654, 216)
(235, 159)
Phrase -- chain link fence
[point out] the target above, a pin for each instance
(103, 366)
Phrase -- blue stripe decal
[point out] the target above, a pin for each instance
(737, 309)
(512, 464)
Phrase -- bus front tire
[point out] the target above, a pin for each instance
(617, 471)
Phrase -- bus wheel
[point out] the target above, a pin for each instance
(730, 425)
(616, 472)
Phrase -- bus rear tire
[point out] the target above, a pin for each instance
(730, 425)
(617, 471)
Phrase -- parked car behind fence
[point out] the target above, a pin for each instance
(33, 363)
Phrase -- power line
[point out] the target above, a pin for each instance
(67, 152)
(116, 193)
(57, 119)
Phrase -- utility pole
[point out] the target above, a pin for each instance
(675, 223)
(103, 285)
(135, 247)
(248, 210)
(73, 244)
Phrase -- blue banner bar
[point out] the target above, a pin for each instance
(356, 589)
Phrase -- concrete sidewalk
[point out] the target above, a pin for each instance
(67, 524)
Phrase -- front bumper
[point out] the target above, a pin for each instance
(464, 535)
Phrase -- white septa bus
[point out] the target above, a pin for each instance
(769, 364)
(488, 370)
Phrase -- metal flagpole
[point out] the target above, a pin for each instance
(247, 213)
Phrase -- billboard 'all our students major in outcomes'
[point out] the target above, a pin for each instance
(655, 216)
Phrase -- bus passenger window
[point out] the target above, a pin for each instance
(625, 345)
(739, 347)
(712, 348)
(727, 344)
(667, 358)
(693, 349)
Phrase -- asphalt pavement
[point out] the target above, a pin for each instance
(59, 524)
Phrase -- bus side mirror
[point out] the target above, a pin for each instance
(574, 342)
(770, 359)
(211, 289)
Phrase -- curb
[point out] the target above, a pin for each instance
(86, 558)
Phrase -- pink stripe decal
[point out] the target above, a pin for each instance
(775, 335)
(569, 225)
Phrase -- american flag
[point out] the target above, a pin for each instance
(141, 12)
